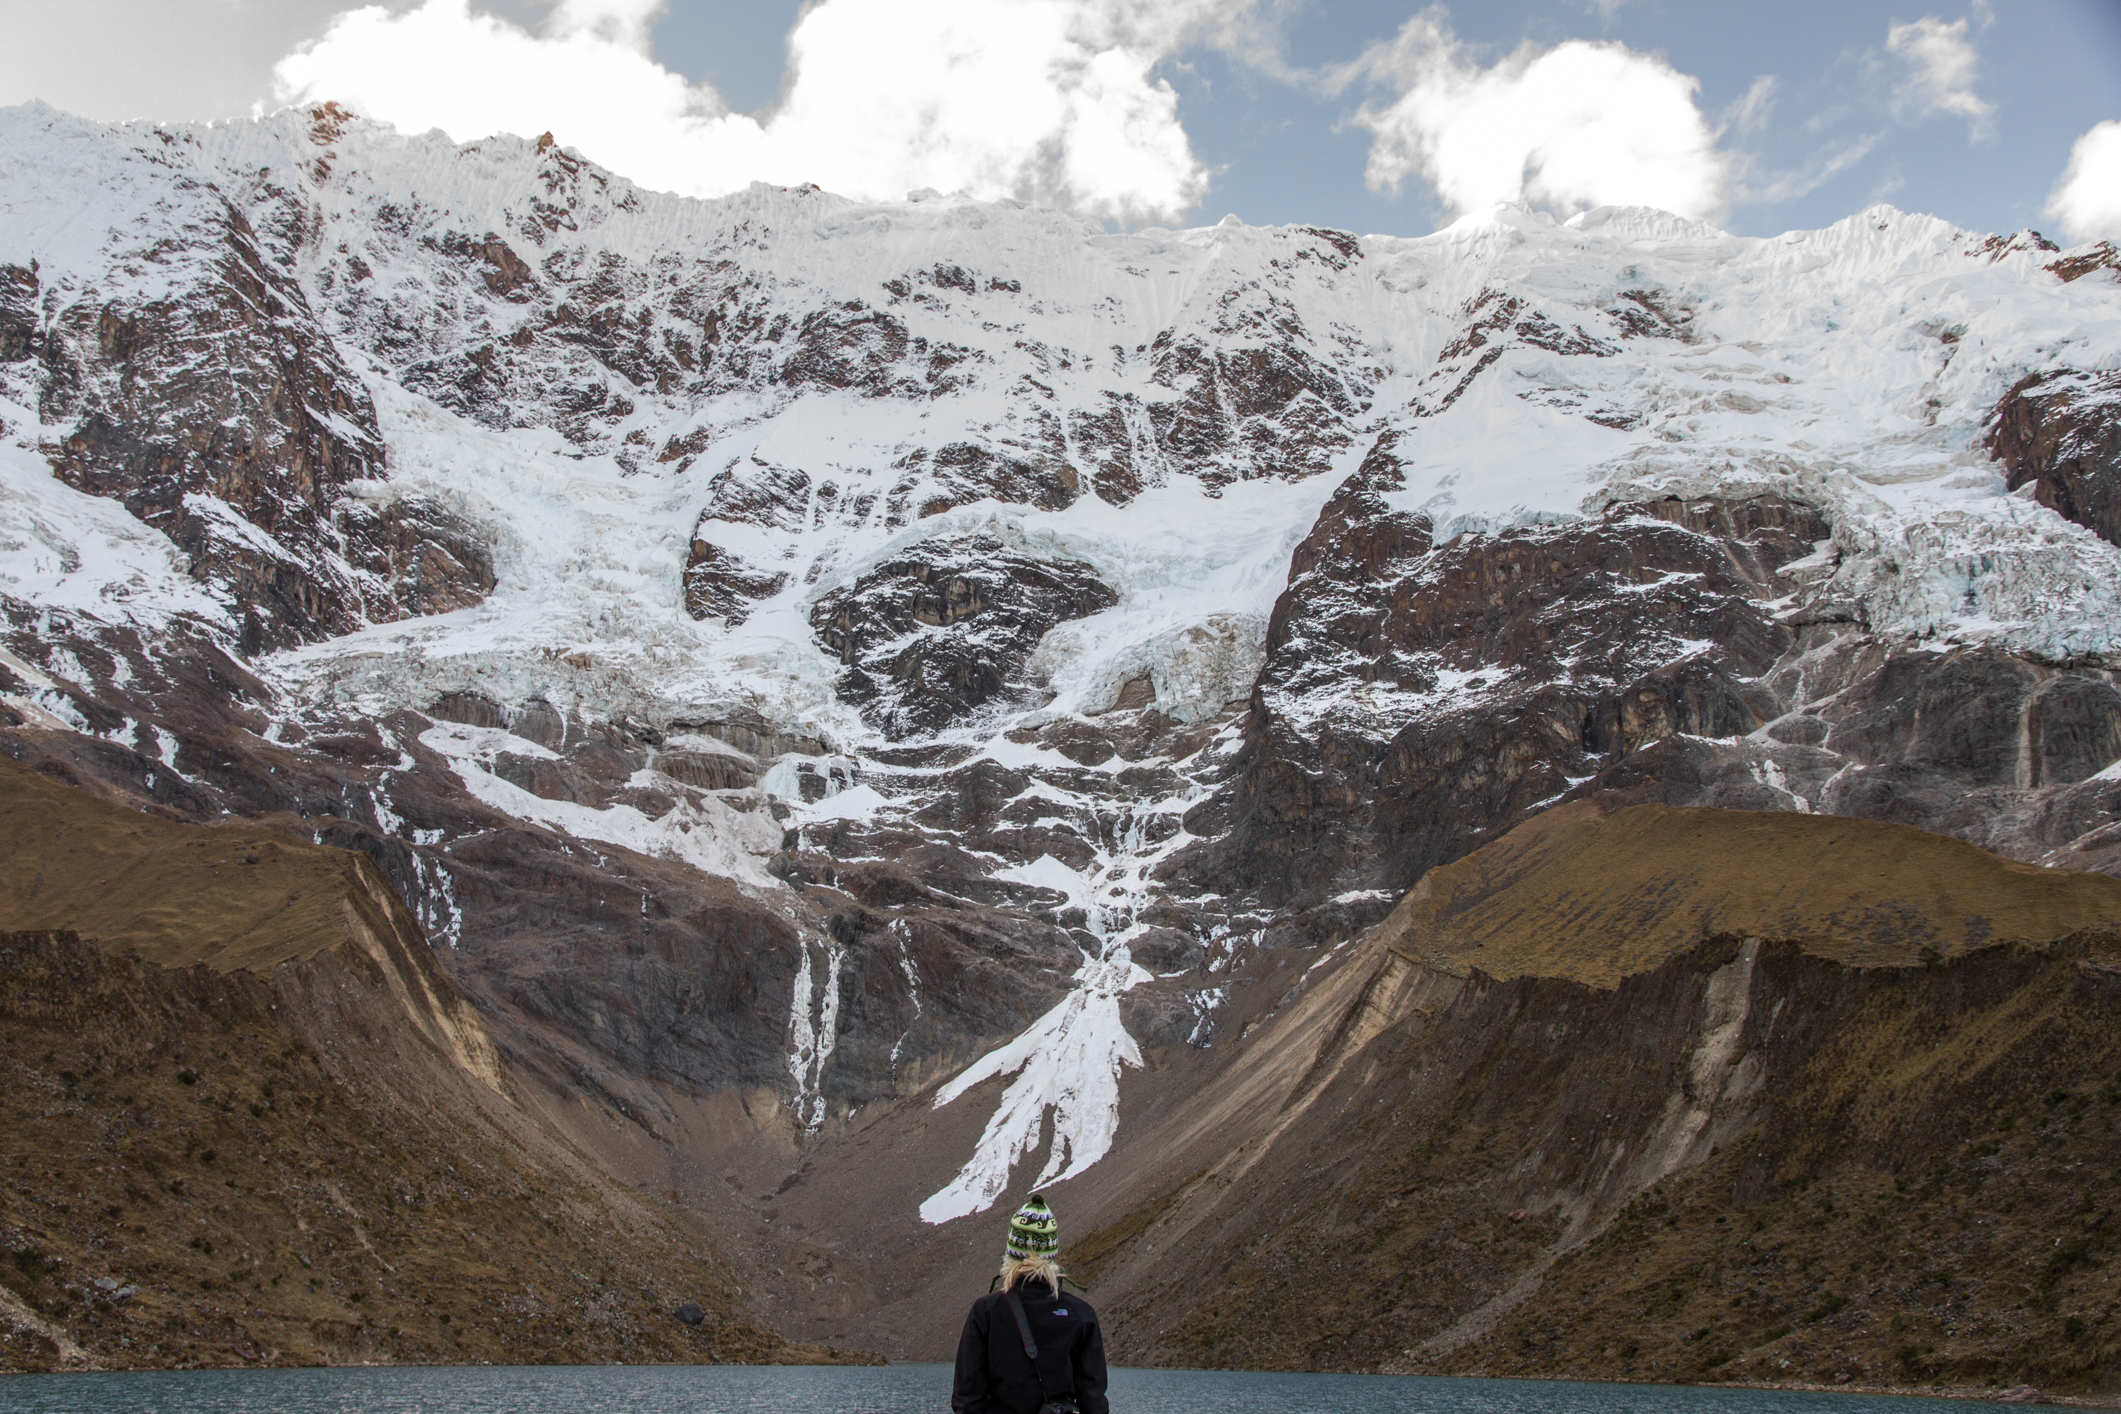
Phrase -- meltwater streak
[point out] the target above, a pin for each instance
(895, 1389)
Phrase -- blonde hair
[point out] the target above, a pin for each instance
(1018, 1270)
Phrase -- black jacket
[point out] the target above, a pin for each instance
(993, 1377)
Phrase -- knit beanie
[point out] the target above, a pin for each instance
(1034, 1231)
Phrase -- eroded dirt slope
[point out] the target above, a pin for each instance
(255, 1124)
(1886, 1159)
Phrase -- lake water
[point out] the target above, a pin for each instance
(894, 1389)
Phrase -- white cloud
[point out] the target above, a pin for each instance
(1585, 123)
(1753, 185)
(2087, 201)
(1941, 64)
(1050, 99)
(1750, 113)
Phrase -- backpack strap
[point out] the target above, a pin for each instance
(1023, 1327)
(1023, 1331)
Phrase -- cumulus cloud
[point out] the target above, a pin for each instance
(1056, 100)
(1939, 66)
(2087, 201)
(1582, 124)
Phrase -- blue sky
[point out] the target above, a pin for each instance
(1336, 112)
(2052, 68)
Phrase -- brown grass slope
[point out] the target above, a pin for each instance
(1580, 893)
(1746, 1153)
(252, 1122)
(231, 896)
(1932, 1201)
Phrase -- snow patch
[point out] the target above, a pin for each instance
(699, 829)
(1067, 1065)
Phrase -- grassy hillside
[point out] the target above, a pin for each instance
(231, 896)
(252, 1123)
(1596, 897)
(1538, 1124)
(1931, 1199)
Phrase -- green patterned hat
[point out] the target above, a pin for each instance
(1034, 1231)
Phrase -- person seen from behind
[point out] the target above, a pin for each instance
(1030, 1347)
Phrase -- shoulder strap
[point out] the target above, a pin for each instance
(1023, 1327)
(1023, 1331)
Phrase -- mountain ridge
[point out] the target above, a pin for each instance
(800, 659)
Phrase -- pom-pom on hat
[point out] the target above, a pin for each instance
(1034, 1231)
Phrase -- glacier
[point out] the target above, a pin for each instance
(625, 392)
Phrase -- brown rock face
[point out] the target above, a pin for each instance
(431, 559)
(1417, 697)
(2102, 256)
(1275, 407)
(218, 410)
(1032, 476)
(224, 411)
(851, 346)
(507, 274)
(721, 583)
(929, 638)
(2061, 432)
(18, 312)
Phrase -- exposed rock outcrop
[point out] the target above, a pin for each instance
(1417, 697)
(222, 413)
(2087, 260)
(218, 410)
(931, 637)
(2060, 433)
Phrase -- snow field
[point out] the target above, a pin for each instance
(1851, 368)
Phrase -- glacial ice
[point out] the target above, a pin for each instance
(1815, 365)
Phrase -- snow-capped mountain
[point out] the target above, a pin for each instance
(930, 652)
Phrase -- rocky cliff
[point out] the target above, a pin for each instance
(808, 665)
